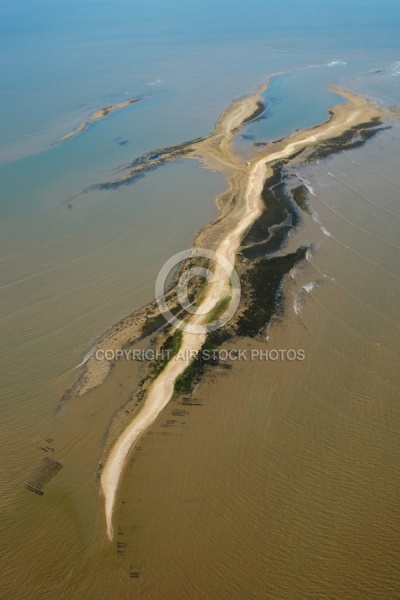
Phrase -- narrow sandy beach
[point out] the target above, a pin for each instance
(355, 111)
(162, 389)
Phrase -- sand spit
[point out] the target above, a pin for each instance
(239, 207)
(214, 150)
(162, 389)
(101, 113)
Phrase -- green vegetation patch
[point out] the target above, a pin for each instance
(219, 309)
(171, 344)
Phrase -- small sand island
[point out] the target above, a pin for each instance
(101, 113)
(247, 203)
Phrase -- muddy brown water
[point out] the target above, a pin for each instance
(282, 480)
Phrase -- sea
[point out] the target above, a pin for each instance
(282, 480)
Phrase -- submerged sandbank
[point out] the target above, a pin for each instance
(101, 113)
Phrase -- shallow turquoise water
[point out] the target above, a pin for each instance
(59, 61)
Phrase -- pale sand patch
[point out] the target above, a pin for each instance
(103, 112)
(96, 116)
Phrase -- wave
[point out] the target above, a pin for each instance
(293, 272)
(395, 71)
(308, 287)
(332, 63)
(313, 212)
(325, 231)
(94, 343)
(86, 357)
(315, 216)
(297, 303)
(305, 182)
(298, 297)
